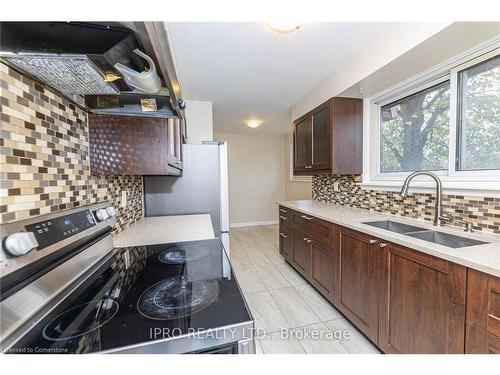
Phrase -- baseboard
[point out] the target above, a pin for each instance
(253, 223)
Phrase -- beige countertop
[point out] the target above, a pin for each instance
(485, 258)
(166, 229)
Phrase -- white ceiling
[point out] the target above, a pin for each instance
(249, 71)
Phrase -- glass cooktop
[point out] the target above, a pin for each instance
(143, 294)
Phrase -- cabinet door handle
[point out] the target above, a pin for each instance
(372, 242)
(306, 217)
(283, 210)
(284, 235)
(308, 240)
(283, 217)
(383, 245)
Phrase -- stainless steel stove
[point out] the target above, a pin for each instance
(66, 289)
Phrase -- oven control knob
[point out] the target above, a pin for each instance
(111, 211)
(102, 214)
(18, 244)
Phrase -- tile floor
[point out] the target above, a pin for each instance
(290, 315)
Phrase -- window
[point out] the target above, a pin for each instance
(478, 116)
(446, 120)
(414, 131)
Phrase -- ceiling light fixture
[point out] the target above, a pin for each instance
(284, 26)
(253, 123)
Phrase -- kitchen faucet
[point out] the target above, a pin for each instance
(439, 218)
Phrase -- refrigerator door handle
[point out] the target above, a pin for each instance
(224, 188)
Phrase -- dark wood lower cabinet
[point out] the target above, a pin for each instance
(323, 264)
(357, 294)
(285, 244)
(479, 341)
(483, 313)
(422, 303)
(301, 252)
(403, 300)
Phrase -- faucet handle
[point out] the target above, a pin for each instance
(447, 217)
(468, 226)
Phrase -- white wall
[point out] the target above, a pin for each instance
(392, 43)
(256, 181)
(199, 118)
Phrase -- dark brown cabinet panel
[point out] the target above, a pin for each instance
(324, 261)
(302, 147)
(357, 293)
(347, 138)
(285, 243)
(320, 138)
(285, 217)
(128, 145)
(479, 341)
(330, 138)
(483, 301)
(316, 228)
(301, 252)
(483, 313)
(422, 303)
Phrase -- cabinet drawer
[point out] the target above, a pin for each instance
(284, 216)
(479, 341)
(317, 229)
(285, 242)
(483, 301)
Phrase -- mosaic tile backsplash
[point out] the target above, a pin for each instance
(483, 212)
(44, 154)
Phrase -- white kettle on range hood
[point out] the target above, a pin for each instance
(147, 81)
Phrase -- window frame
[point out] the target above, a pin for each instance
(416, 90)
(454, 116)
(470, 182)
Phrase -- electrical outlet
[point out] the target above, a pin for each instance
(336, 186)
(126, 256)
(123, 203)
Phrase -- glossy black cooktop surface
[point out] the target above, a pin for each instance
(143, 294)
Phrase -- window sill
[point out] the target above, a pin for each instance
(465, 188)
(301, 179)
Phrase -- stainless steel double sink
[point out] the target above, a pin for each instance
(440, 238)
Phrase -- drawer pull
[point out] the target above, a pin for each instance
(383, 245)
(283, 217)
(284, 235)
(283, 210)
(306, 217)
(308, 166)
(372, 242)
(308, 240)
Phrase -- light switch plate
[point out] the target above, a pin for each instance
(126, 256)
(123, 203)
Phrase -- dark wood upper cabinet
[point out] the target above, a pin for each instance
(320, 138)
(302, 156)
(330, 138)
(422, 303)
(357, 292)
(347, 135)
(129, 145)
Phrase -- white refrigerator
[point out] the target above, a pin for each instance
(202, 188)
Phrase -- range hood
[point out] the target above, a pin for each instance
(74, 58)
(85, 61)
